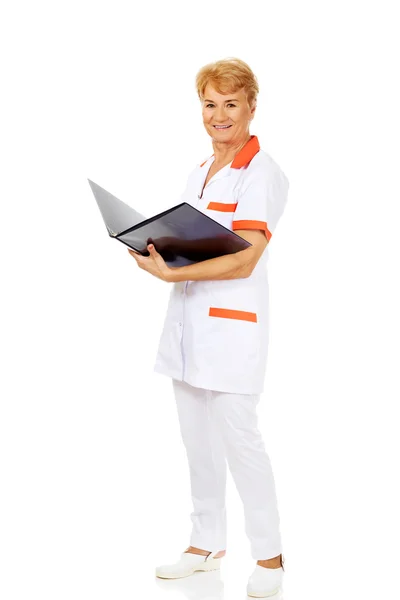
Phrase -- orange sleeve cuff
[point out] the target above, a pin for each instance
(247, 224)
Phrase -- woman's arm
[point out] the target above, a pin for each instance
(229, 266)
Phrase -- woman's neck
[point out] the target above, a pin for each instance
(225, 153)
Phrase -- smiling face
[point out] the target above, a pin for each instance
(226, 117)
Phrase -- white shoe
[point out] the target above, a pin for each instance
(188, 564)
(264, 582)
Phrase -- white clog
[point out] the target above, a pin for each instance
(264, 582)
(188, 564)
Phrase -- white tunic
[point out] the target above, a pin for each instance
(216, 333)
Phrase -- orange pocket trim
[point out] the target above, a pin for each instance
(252, 225)
(227, 313)
(222, 207)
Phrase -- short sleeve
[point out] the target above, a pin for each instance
(261, 199)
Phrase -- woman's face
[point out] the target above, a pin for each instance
(226, 109)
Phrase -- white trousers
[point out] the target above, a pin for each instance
(219, 428)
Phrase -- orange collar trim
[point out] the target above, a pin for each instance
(246, 154)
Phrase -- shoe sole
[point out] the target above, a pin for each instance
(210, 565)
(253, 595)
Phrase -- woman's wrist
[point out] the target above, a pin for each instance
(174, 275)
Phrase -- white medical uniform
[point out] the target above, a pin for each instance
(214, 346)
(216, 333)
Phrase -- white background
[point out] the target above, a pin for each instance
(94, 479)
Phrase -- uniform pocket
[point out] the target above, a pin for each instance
(234, 340)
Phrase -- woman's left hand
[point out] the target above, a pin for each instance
(153, 264)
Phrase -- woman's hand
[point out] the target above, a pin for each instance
(153, 264)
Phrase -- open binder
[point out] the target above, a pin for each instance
(182, 234)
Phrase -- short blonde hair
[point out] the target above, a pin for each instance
(228, 75)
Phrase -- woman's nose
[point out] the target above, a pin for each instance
(220, 114)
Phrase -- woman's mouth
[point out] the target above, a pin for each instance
(221, 127)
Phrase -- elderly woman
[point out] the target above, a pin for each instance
(215, 338)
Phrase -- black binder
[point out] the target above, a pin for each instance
(182, 234)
